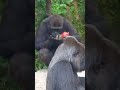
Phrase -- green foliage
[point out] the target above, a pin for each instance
(40, 6)
(39, 12)
(81, 9)
(38, 64)
(79, 25)
(59, 7)
(61, 1)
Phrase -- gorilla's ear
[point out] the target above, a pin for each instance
(71, 41)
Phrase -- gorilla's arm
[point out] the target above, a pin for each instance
(61, 77)
(68, 26)
(42, 37)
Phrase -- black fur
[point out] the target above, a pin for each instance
(51, 25)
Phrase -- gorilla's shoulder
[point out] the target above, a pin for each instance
(45, 20)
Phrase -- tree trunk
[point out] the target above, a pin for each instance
(48, 7)
(75, 3)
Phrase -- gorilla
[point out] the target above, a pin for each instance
(102, 61)
(68, 59)
(49, 36)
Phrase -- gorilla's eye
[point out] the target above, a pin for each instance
(76, 53)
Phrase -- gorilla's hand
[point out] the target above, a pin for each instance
(48, 43)
(55, 36)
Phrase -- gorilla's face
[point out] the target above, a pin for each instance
(56, 22)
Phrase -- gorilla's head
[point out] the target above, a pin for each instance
(56, 21)
(72, 51)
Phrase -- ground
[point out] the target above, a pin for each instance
(40, 79)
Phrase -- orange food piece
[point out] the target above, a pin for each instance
(64, 34)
